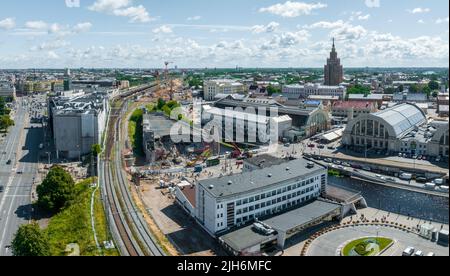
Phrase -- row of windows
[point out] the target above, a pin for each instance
(276, 192)
(275, 201)
(275, 210)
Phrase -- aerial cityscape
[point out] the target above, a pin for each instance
(234, 128)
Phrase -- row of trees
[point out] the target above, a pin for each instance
(5, 119)
(56, 192)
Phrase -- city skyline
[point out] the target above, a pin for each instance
(199, 34)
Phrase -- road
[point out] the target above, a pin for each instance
(21, 147)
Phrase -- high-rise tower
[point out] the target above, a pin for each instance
(334, 72)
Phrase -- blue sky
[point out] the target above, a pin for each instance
(201, 33)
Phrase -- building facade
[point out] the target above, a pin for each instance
(352, 109)
(7, 90)
(224, 86)
(77, 124)
(403, 128)
(227, 202)
(334, 71)
(296, 91)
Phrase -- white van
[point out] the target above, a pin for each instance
(405, 176)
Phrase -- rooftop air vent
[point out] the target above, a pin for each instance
(288, 169)
(211, 187)
(230, 183)
(269, 175)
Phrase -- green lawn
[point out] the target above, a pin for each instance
(366, 246)
(73, 225)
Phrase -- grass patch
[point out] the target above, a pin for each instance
(335, 173)
(73, 225)
(366, 247)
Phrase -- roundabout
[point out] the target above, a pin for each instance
(369, 246)
(368, 240)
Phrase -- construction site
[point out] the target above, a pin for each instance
(166, 164)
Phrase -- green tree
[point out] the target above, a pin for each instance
(433, 85)
(161, 103)
(358, 89)
(400, 88)
(273, 90)
(5, 122)
(57, 190)
(29, 240)
(96, 149)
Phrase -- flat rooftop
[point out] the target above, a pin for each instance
(159, 124)
(265, 160)
(246, 237)
(302, 216)
(259, 179)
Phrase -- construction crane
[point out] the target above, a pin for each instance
(166, 76)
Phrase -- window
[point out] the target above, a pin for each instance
(245, 210)
(263, 196)
(245, 201)
(263, 205)
(239, 202)
(252, 199)
(257, 198)
(257, 206)
(251, 208)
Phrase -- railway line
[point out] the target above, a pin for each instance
(129, 228)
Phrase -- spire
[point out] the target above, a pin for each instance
(334, 47)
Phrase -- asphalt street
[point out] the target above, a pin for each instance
(21, 146)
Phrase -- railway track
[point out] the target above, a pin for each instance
(135, 239)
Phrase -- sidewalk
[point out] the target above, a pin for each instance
(371, 213)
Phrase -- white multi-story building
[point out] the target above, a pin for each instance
(244, 126)
(7, 89)
(227, 202)
(222, 86)
(296, 91)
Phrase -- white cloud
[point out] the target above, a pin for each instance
(364, 17)
(36, 25)
(7, 23)
(82, 27)
(122, 8)
(293, 9)
(164, 29)
(194, 18)
(421, 21)
(373, 3)
(269, 28)
(326, 25)
(348, 32)
(442, 20)
(419, 10)
(52, 55)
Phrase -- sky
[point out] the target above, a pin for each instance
(216, 33)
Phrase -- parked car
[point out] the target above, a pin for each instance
(421, 180)
(438, 159)
(1, 189)
(431, 254)
(8, 162)
(408, 251)
(419, 253)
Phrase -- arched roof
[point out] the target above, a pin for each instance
(399, 120)
(402, 117)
